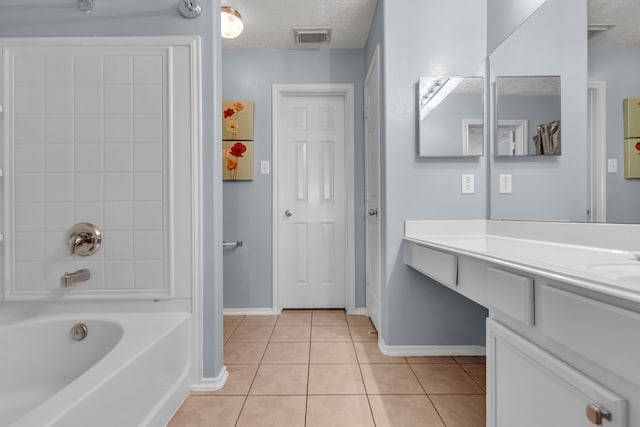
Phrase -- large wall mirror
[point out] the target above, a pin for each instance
(528, 116)
(450, 122)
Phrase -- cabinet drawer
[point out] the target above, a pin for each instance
(511, 294)
(440, 266)
(600, 332)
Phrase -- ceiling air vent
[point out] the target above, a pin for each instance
(312, 35)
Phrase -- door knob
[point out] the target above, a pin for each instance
(288, 213)
(373, 212)
(596, 414)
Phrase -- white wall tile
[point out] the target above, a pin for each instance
(29, 187)
(28, 129)
(89, 129)
(148, 69)
(29, 246)
(118, 69)
(58, 187)
(30, 275)
(28, 70)
(58, 70)
(88, 70)
(118, 187)
(118, 274)
(88, 212)
(118, 245)
(147, 244)
(58, 100)
(29, 100)
(118, 128)
(88, 187)
(55, 246)
(29, 217)
(88, 158)
(148, 274)
(118, 99)
(59, 129)
(54, 270)
(88, 100)
(147, 99)
(148, 128)
(118, 216)
(29, 158)
(58, 157)
(148, 216)
(147, 186)
(118, 157)
(59, 216)
(147, 157)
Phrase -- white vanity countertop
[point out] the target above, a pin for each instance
(599, 257)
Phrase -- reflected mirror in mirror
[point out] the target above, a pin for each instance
(528, 116)
(450, 116)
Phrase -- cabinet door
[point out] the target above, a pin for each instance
(528, 387)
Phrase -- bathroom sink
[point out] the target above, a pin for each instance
(625, 273)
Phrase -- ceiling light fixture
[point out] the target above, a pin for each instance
(231, 25)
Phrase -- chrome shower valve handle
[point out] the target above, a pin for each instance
(84, 239)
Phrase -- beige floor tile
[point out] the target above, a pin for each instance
(461, 410)
(251, 334)
(284, 353)
(273, 411)
(430, 359)
(276, 380)
(404, 411)
(333, 352)
(368, 352)
(478, 372)
(335, 379)
(338, 411)
(259, 320)
(209, 411)
(294, 318)
(445, 379)
(358, 320)
(291, 333)
(470, 359)
(363, 333)
(238, 383)
(244, 353)
(324, 333)
(329, 317)
(228, 331)
(232, 320)
(390, 379)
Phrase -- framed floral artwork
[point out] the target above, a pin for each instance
(237, 160)
(237, 121)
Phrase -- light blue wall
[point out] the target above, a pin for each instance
(31, 18)
(536, 109)
(505, 16)
(548, 187)
(451, 40)
(618, 67)
(248, 75)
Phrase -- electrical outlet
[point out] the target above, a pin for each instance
(264, 167)
(505, 183)
(468, 184)
(612, 165)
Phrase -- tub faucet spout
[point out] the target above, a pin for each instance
(69, 278)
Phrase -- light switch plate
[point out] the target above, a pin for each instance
(505, 183)
(468, 184)
(264, 167)
(612, 165)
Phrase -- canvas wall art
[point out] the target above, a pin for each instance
(237, 120)
(237, 160)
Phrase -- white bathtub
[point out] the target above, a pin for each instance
(130, 370)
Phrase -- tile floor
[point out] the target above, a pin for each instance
(323, 368)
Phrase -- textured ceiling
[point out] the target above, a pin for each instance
(624, 14)
(269, 24)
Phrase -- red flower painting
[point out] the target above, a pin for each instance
(238, 149)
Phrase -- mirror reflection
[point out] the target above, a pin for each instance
(450, 122)
(528, 116)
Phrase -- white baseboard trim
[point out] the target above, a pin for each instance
(211, 384)
(248, 311)
(360, 311)
(430, 350)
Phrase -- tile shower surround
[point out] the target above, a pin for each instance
(89, 147)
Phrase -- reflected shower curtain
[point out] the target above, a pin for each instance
(547, 140)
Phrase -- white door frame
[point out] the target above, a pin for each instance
(279, 91)
(596, 168)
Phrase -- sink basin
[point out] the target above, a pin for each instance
(625, 273)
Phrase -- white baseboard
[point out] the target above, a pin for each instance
(430, 350)
(248, 311)
(360, 311)
(211, 384)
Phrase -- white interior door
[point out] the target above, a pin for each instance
(311, 212)
(372, 190)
